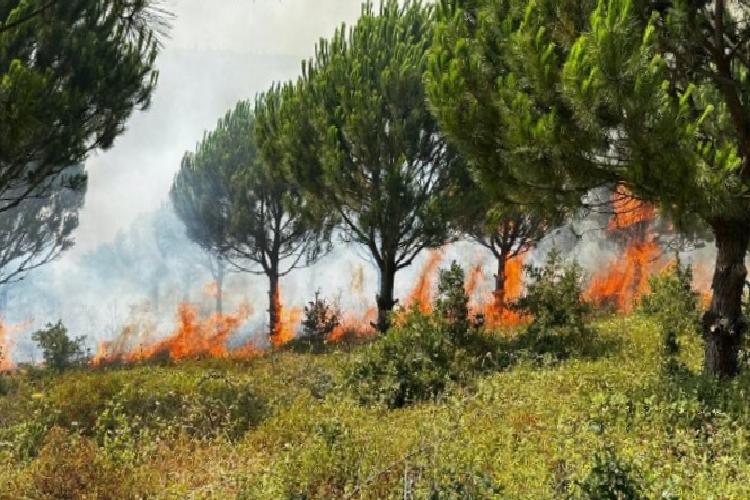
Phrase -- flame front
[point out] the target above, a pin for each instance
(6, 348)
(495, 306)
(193, 338)
(623, 283)
(422, 294)
(289, 321)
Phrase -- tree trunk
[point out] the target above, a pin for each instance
(274, 309)
(502, 264)
(723, 324)
(385, 299)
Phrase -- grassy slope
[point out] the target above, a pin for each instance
(532, 429)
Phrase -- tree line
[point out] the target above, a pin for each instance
(350, 148)
(490, 118)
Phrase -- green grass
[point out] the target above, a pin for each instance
(529, 431)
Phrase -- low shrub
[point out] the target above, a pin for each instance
(209, 406)
(464, 483)
(422, 354)
(68, 467)
(452, 303)
(60, 352)
(320, 321)
(674, 305)
(415, 361)
(554, 300)
(611, 478)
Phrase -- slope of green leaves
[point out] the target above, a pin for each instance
(532, 430)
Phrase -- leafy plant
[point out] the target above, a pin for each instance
(554, 299)
(452, 304)
(673, 304)
(611, 478)
(60, 352)
(321, 319)
(416, 361)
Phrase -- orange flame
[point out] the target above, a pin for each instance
(629, 211)
(211, 290)
(7, 344)
(623, 283)
(6, 348)
(353, 327)
(421, 295)
(193, 338)
(495, 308)
(289, 322)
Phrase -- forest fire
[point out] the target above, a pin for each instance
(629, 211)
(496, 308)
(6, 348)
(8, 343)
(421, 295)
(626, 281)
(193, 338)
(353, 327)
(290, 319)
(623, 283)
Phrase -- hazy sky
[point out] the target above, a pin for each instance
(220, 51)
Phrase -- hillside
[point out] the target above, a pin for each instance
(283, 426)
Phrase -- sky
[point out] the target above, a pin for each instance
(219, 51)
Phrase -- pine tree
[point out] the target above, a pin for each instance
(242, 209)
(383, 165)
(71, 73)
(651, 95)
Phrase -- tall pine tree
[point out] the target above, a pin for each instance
(651, 95)
(384, 166)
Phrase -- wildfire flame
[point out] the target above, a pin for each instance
(6, 348)
(193, 338)
(421, 295)
(211, 290)
(7, 344)
(289, 321)
(623, 283)
(495, 307)
(629, 211)
(356, 327)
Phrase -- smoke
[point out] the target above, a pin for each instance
(132, 264)
(139, 282)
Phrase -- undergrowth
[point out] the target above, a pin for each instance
(292, 425)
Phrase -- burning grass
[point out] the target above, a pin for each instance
(193, 338)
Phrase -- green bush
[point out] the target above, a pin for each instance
(69, 467)
(422, 354)
(320, 320)
(452, 303)
(415, 361)
(554, 301)
(60, 352)
(610, 479)
(674, 305)
(209, 406)
(465, 483)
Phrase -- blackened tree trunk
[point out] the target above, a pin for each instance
(500, 277)
(723, 324)
(274, 309)
(385, 299)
